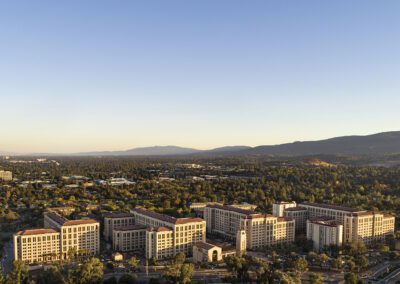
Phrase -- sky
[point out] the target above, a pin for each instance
(112, 75)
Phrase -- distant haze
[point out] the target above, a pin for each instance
(375, 144)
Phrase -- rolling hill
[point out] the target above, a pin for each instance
(376, 144)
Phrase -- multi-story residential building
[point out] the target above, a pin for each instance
(225, 219)
(167, 236)
(37, 245)
(116, 220)
(5, 175)
(368, 226)
(199, 207)
(264, 230)
(324, 233)
(129, 238)
(58, 240)
(77, 236)
(261, 229)
(357, 224)
(300, 216)
(279, 208)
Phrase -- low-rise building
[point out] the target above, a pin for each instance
(205, 253)
(116, 256)
(5, 176)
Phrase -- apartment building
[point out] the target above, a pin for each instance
(116, 220)
(368, 227)
(37, 245)
(58, 240)
(324, 233)
(225, 219)
(261, 229)
(279, 208)
(357, 224)
(167, 236)
(5, 176)
(129, 238)
(77, 236)
(300, 216)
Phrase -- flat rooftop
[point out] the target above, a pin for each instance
(65, 222)
(36, 232)
(117, 215)
(131, 228)
(331, 206)
(233, 209)
(166, 218)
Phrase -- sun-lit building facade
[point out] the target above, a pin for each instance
(262, 230)
(167, 236)
(60, 239)
(362, 225)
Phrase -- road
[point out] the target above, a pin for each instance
(208, 275)
(392, 278)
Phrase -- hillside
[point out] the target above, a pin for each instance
(376, 144)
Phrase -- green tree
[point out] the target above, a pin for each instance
(111, 280)
(2, 278)
(128, 279)
(133, 263)
(361, 261)
(154, 281)
(350, 278)
(90, 272)
(235, 264)
(50, 276)
(316, 278)
(337, 263)
(300, 265)
(186, 272)
(18, 274)
(180, 258)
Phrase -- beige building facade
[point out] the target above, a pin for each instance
(279, 208)
(60, 239)
(37, 245)
(130, 238)
(324, 233)
(262, 230)
(357, 224)
(206, 253)
(5, 176)
(167, 236)
(116, 220)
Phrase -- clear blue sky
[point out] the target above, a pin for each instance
(104, 75)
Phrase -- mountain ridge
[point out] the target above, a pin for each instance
(378, 143)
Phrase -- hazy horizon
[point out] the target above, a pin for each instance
(104, 76)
